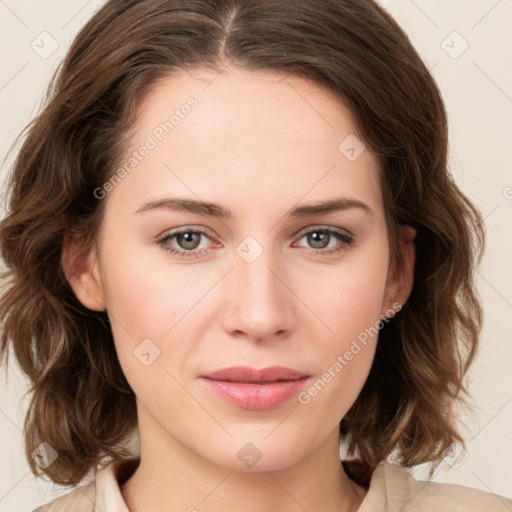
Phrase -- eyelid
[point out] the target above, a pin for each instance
(185, 229)
(341, 231)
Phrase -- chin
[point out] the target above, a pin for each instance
(257, 453)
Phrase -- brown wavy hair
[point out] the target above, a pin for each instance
(81, 403)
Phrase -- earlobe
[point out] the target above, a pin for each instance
(82, 272)
(401, 279)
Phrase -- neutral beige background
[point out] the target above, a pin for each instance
(477, 86)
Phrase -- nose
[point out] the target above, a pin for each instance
(259, 305)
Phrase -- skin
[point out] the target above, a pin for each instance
(258, 143)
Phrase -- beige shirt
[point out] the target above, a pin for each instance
(392, 489)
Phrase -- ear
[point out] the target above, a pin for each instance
(82, 272)
(400, 278)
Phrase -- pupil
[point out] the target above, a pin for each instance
(188, 240)
(318, 237)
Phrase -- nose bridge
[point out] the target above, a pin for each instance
(259, 303)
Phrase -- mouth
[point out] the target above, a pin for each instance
(251, 388)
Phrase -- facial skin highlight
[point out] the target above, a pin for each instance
(258, 289)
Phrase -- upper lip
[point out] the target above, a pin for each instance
(248, 374)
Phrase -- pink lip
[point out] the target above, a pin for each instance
(251, 388)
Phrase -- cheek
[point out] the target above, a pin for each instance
(345, 355)
(349, 308)
(348, 297)
(148, 304)
(148, 295)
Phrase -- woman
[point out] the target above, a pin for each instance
(233, 232)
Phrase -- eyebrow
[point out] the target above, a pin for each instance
(216, 210)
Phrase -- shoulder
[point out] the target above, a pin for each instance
(80, 499)
(103, 493)
(399, 490)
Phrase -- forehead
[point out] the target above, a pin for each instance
(249, 136)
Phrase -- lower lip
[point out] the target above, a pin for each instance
(256, 396)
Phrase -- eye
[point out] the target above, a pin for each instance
(186, 242)
(320, 237)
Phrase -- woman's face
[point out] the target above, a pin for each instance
(260, 280)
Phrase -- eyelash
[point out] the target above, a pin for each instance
(346, 239)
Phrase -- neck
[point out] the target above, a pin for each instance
(172, 477)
